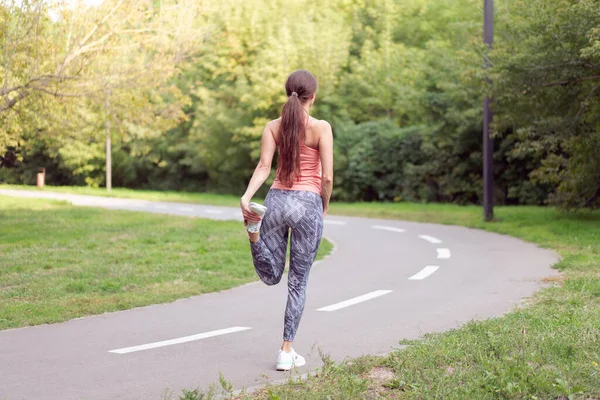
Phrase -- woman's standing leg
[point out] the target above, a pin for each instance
(307, 230)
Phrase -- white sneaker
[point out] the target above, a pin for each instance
(286, 361)
(254, 227)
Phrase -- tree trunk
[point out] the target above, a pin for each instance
(108, 145)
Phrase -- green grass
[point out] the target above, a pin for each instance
(60, 262)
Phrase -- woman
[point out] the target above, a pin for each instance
(297, 201)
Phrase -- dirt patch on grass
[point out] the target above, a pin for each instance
(557, 280)
(381, 375)
(380, 379)
(120, 237)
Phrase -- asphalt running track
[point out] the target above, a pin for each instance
(385, 281)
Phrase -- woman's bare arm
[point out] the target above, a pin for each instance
(261, 173)
(326, 152)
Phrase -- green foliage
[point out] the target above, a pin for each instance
(370, 160)
(69, 70)
(401, 82)
(548, 92)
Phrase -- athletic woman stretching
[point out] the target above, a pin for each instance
(297, 201)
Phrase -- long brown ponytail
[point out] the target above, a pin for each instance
(300, 86)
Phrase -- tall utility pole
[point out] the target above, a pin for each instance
(108, 144)
(488, 144)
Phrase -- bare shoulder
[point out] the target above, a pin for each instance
(322, 126)
(325, 129)
(274, 125)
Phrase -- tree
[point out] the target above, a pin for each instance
(548, 90)
(57, 58)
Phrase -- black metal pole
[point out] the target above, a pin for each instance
(488, 144)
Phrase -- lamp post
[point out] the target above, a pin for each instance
(488, 144)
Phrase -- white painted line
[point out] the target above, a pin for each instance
(187, 209)
(137, 205)
(388, 228)
(184, 339)
(424, 273)
(355, 300)
(161, 206)
(212, 211)
(333, 222)
(443, 253)
(430, 239)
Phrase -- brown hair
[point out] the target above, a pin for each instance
(300, 86)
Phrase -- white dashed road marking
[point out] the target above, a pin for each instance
(424, 273)
(388, 228)
(186, 209)
(430, 239)
(355, 300)
(184, 339)
(333, 222)
(443, 253)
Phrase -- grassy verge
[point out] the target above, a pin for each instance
(180, 197)
(60, 262)
(550, 350)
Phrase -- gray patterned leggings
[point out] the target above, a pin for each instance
(302, 212)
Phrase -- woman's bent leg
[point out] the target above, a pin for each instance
(269, 252)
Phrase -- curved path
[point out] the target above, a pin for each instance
(387, 280)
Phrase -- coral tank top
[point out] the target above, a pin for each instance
(309, 178)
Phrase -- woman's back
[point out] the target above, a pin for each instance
(309, 176)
